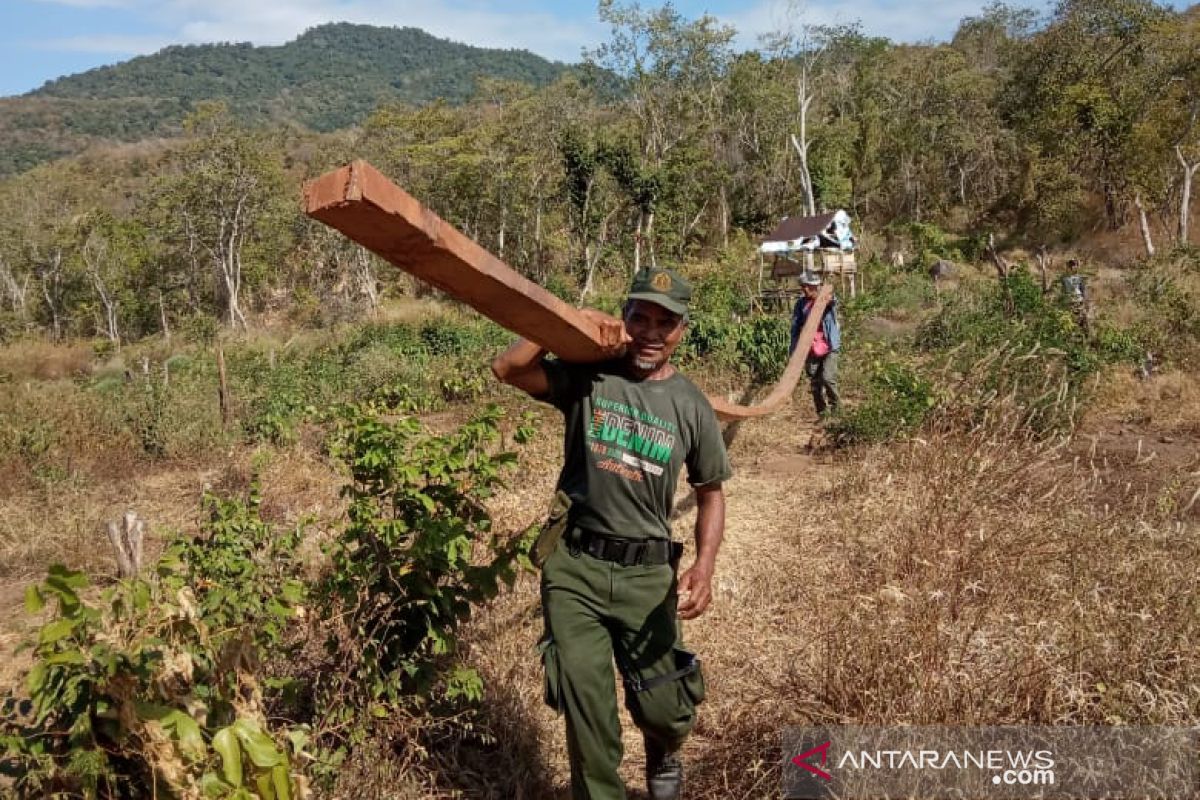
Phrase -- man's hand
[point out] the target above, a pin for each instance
(613, 337)
(695, 592)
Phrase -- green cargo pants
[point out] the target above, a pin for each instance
(822, 374)
(594, 611)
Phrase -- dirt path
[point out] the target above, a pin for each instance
(777, 481)
(746, 640)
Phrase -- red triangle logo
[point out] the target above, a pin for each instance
(801, 761)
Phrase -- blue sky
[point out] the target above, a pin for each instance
(43, 39)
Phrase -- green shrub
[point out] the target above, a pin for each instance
(1167, 293)
(1012, 341)
(762, 347)
(893, 294)
(408, 566)
(200, 328)
(723, 292)
(930, 243)
(448, 336)
(897, 402)
(710, 342)
(151, 689)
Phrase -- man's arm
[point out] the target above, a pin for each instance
(521, 364)
(695, 585)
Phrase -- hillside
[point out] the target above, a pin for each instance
(330, 77)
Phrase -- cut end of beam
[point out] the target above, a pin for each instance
(334, 189)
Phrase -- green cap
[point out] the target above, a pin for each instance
(664, 287)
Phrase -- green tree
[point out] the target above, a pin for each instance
(224, 207)
(674, 73)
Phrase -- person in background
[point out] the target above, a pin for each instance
(821, 364)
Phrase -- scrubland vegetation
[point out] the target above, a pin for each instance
(1000, 527)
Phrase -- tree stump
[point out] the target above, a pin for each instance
(126, 540)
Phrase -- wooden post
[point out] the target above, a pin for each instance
(223, 388)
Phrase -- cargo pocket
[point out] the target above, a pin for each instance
(552, 678)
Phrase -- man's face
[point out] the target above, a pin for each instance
(655, 332)
(810, 291)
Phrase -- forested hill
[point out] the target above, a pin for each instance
(330, 77)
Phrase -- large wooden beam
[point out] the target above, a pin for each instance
(363, 204)
(782, 391)
(371, 210)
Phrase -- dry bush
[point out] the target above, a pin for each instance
(1167, 402)
(969, 578)
(35, 359)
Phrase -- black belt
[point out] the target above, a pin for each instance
(626, 552)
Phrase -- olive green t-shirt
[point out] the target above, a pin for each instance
(625, 443)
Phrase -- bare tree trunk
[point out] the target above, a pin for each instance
(367, 282)
(650, 239)
(591, 258)
(805, 179)
(804, 99)
(1043, 262)
(50, 272)
(1143, 224)
(223, 388)
(162, 316)
(127, 544)
(691, 226)
(724, 200)
(1185, 194)
(997, 260)
(110, 310)
(503, 225)
(15, 292)
(637, 243)
(537, 237)
(95, 255)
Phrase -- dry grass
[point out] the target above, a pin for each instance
(964, 579)
(1168, 403)
(40, 360)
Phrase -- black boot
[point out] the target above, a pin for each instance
(664, 771)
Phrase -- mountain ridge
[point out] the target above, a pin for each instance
(328, 78)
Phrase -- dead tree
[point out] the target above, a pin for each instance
(997, 260)
(1144, 224)
(15, 291)
(126, 540)
(1043, 262)
(1185, 193)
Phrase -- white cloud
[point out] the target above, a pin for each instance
(277, 21)
(115, 44)
(898, 20)
(478, 22)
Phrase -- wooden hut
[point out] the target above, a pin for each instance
(822, 244)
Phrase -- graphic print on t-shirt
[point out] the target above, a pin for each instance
(630, 441)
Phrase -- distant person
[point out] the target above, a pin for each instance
(821, 364)
(609, 585)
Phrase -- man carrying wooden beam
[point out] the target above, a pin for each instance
(609, 585)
